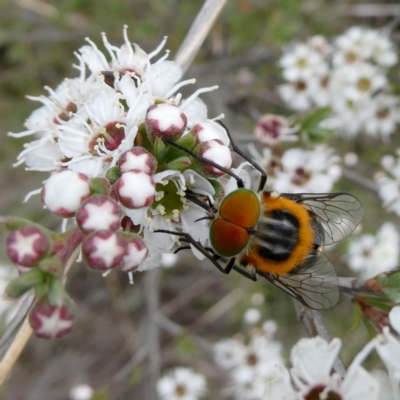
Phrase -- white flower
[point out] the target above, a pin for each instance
(182, 384)
(353, 46)
(307, 171)
(252, 316)
(229, 353)
(383, 115)
(389, 184)
(297, 94)
(371, 255)
(301, 62)
(383, 51)
(312, 361)
(81, 392)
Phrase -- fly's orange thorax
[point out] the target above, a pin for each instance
(283, 239)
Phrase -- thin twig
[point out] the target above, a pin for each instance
(315, 325)
(360, 180)
(199, 30)
(153, 333)
(176, 329)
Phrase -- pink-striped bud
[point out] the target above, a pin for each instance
(98, 212)
(103, 250)
(49, 321)
(138, 158)
(165, 120)
(27, 246)
(135, 189)
(64, 192)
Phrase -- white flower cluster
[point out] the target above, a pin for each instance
(370, 255)
(257, 371)
(111, 123)
(389, 183)
(299, 170)
(349, 75)
(251, 366)
(182, 384)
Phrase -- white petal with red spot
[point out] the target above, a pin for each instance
(214, 150)
(209, 130)
(135, 253)
(166, 116)
(138, 158)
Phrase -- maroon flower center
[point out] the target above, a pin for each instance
(318, 393)
(272, 128)
(112, 136)
(252, 359)
(65, 115)
(382, 113)
(300, 85)
(180, 390)
(301, 176)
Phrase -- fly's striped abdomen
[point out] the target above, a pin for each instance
(277, 235)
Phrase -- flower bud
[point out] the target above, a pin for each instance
(98, 212)
(103, 250)
(27, 245)
(64, 192)
(209, 130)
(50, 321)
(135, 253)
(138, 158)
(214, 150)
(135, 189)
(165, 120)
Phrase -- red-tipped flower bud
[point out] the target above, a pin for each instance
(27, 246)
(64, 192)
(103, 250)
(165, 120)
(98, 212)
(214, 150)
(49, 321)
(138, 158)
(135, 189)
(135, 253)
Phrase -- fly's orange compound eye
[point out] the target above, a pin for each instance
(241, 207)
(228, 239)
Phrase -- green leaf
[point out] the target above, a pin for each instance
(377, 301)
(135, 376)
(23, 283)
(51, 265)
(180, 163)
(185, 346)
(370, 329)
(392, 294)
(113, 174)
(357, 316)
(188, 141)
(56, 292)
(394, 281)
(312, 120)
(101, 185)
(217, 187)
(160, 150)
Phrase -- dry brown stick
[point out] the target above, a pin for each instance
(199, 30)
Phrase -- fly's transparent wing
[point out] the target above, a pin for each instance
(314, 283)
(337, 213)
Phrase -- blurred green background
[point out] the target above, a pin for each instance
(109, 346)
